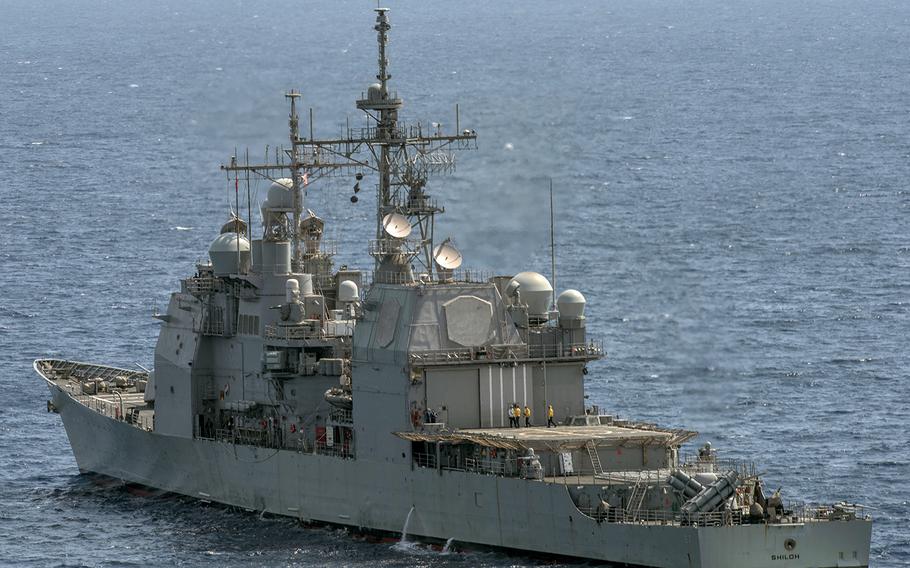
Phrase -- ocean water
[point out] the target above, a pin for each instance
(732, 198)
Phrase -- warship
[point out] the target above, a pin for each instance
(417, 397)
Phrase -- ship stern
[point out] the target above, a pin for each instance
(822, 544)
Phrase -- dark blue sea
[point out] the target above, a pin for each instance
(732, 195)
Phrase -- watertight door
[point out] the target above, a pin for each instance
(455, 396)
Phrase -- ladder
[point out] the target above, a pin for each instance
(637, 497)
(595, 459)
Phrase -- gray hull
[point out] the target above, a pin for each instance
(487, 510)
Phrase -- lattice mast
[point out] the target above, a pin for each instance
(403, 157)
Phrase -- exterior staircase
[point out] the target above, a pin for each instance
(595, 458)
(636, 498)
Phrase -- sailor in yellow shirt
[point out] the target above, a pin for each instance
(550, 421)
(527, 416)
(516, 412)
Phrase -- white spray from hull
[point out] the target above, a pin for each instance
(403, 543)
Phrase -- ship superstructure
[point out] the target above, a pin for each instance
(413, 396)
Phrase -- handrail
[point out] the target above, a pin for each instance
(463, 276)
(802, 515)
(591, 348)
(313, 330)
(507, 352)
(343, 415)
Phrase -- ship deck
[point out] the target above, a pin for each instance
(576, 435)
(114, 391)
(559, 438)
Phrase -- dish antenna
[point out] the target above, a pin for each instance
(447, 256)
(447, 259)
(396, 225)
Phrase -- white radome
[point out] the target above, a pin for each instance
(571, 304)
(280, 195)
(348, 292)
(223, 253)
(228, 242)
(535, 291)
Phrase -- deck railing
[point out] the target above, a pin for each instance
(99, 405)
(592, 349)
(698, 464)
(207, 284)
(341, 415)
(307, 330)
(484, 466)
(425, 278)
(509, 352)
(796, 515)
(113, 408)
(489, 353)
(662, 517)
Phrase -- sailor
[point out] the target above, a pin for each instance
(527, 416)
(512, 415)
(550, 421)
(516, 411)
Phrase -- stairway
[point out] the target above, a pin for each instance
(595, 459)
(636, 498)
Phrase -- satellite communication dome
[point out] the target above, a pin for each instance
(571, 304)
(228, 242)
(348, 292)
(535, 291)
(234, 225)
(396, 225)
(374, 92)
(223, 253)
(280, 195)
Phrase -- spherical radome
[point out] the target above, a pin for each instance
(223, 253)
(571, 304)
(228, 242)
(280, 195)
(348, 292)
(535, 291)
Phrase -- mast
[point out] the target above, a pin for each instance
(294, 126)
(385, 107)
(402, 156)
(552, 244)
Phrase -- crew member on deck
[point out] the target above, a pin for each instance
(550, 421)
(527, 416)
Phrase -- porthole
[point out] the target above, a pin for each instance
(789, 544)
